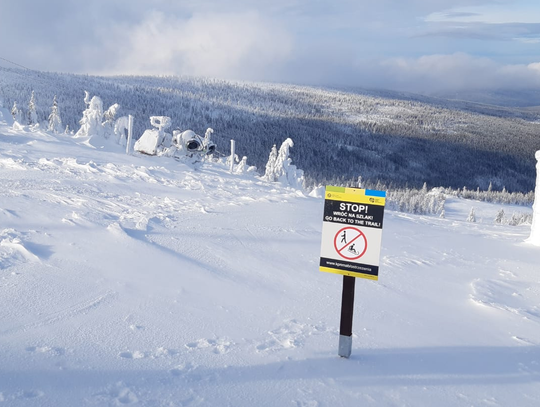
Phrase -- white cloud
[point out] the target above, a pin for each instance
(534, 67)
(454, 72)
(231, 45)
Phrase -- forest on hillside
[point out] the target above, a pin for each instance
(339, 134)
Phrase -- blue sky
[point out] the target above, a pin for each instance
(414, 45)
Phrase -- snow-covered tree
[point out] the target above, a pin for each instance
(32, 114)
(269, 174)
(243, 167)
(16, 113)
(279, 167)
(534, 238)
(110, 120)
(55, 122)
(87, 98)
(208, 136)
(359, 182)
(92, 117)
(121, 126)
(500, 217)
(472, 216)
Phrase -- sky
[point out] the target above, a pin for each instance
(423, 46)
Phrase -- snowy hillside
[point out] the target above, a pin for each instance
(141, 281)
(397, 138)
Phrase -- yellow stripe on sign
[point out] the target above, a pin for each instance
(352, 195)
(348, 273)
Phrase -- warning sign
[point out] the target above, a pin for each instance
(350, 243)
(352, 231)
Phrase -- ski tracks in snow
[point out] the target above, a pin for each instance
(72, 311)
(514, 294)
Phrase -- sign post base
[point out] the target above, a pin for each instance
(345, 346)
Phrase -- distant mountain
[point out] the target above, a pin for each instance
(502, 97)
(339, 134)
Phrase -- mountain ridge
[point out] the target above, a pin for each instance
(339, 135)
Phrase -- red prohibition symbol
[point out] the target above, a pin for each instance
(350, 243)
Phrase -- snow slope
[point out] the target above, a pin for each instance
(141, 281)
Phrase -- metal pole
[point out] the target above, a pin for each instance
(130, 134)
(347, 307)
(232, 156)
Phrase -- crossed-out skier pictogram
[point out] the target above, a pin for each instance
(350, 243)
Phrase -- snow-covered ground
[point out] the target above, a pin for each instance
(131, 280)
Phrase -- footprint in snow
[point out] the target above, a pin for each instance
(218, 346)
(118, 393)
(29, 394)
(54, 351)
(182, 369)
(292, 334)
(157, 354)
(132, 355)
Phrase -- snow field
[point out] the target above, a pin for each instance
(131, 280)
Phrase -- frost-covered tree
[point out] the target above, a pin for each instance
(55, 122)
(472, 216)
(109, 122)
(500, 217)
(87, 98)
(16, 113)
(269, 174)
(281, 168)
(242, 166)
(32, 114)
(121, 126)
(92, 117)
(359, 182)
(534, 238)
(208, 136)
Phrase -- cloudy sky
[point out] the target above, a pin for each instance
(413, 45)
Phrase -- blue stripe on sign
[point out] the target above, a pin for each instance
(372, 192)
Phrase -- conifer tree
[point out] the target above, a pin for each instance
(16, 113)
(109, 120)
(92, 117)
(32, 115)
(269, 174)
(500, 217)
(472, 216)
(55, 122)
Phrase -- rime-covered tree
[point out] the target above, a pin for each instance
(16, 113)
(281, 168)
(534, 238)
(92, 117)
(500, 217)
(269, 173)
(32, 114)
(109, 122)
(472, 216)
(55, 122)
